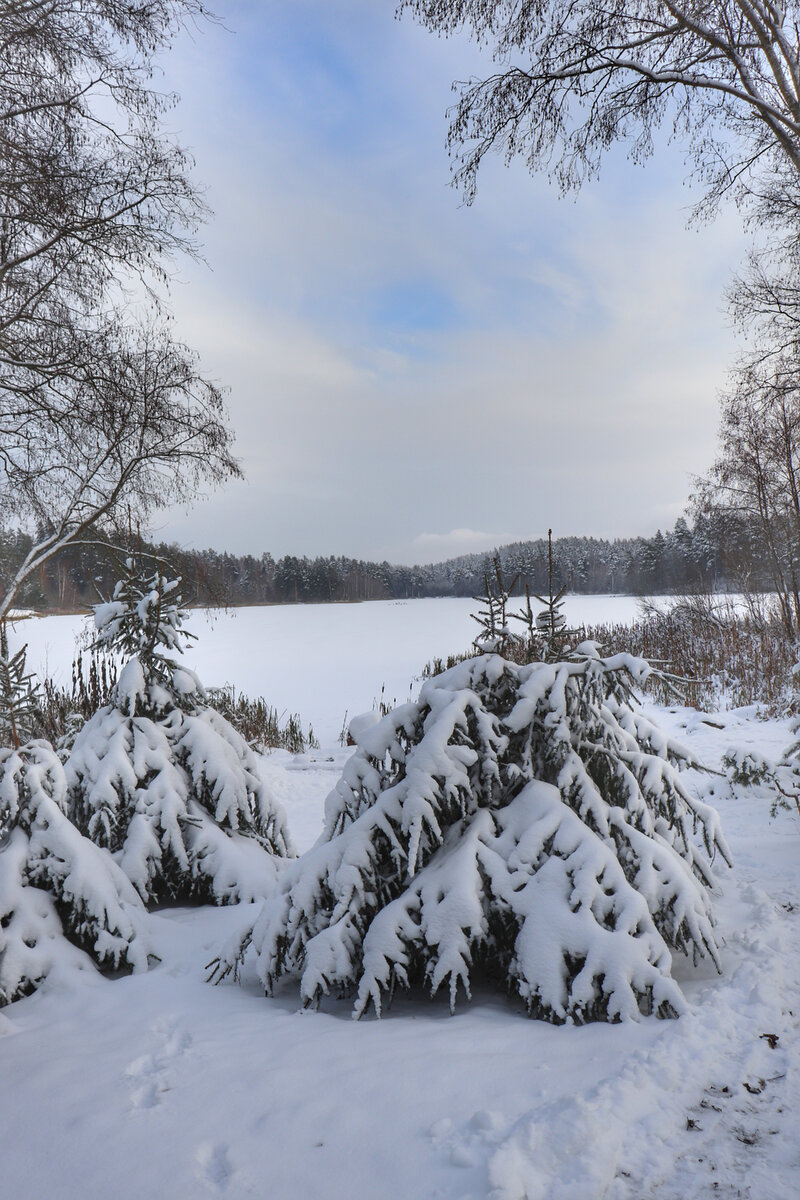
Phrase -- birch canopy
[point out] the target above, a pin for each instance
(132, 427)
(574, 78)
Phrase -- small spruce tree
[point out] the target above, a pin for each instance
(496, 636)
(160, 778)
(548, 635)
(60, 894)
(778, 779)
(19, 707)
(523, 823)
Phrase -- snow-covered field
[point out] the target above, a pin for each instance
(162, 1085)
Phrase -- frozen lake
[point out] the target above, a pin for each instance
(318, 660)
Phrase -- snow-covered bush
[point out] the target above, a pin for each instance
(522, 823)
(746, 767)
(58, 891)
(160, 778)
(778, 779)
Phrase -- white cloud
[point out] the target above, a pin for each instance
(575, 386)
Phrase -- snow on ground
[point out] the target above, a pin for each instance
(161, 1085)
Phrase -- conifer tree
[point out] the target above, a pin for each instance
(780, 779)
(18, 703)
(496, 636)
(522, 823)
(60, 894)
(548, 634)
(160, 778)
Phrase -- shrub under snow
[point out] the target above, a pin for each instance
(778, 780)
(520, 823)
(161, 779)
(55, 882)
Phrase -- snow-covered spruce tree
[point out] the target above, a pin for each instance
(787, 777)
(160, 778)
(524, 823)
(59, 893)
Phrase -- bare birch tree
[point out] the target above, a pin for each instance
(131, 428)
(99, 410)
(757, 471)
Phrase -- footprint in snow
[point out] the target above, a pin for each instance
(468, 1145)
(214, 1165)
(149, 1074)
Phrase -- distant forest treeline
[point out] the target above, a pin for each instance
(715, 554)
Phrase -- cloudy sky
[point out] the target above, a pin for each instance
(410, 378)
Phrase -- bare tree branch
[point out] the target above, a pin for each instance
(99, 414)
(576, 77)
